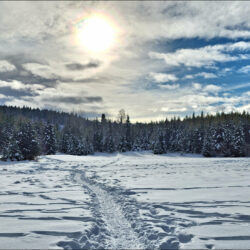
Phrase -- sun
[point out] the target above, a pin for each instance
(95, 33)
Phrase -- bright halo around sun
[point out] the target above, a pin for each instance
(95, 33)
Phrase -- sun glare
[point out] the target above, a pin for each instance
(95, 33)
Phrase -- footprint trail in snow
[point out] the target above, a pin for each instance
(121, 234)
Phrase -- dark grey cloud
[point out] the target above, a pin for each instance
(27, 78)
(8, 91)
(174, 9)
(79, 66)
(23, 75)
(74, 99)
(83, 80)
(19, 59)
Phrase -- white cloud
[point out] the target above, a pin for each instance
(212, 88)
(205, 75)
(238, 86)
(44, 71)
(239, 46)
(5, 66)
(167, 109)
(189, 76)
(196, 85)
(225, 71)
(143, 20)
(17, 85)
(204, 56)
(162, 77)
(169, 86)
(245, 69)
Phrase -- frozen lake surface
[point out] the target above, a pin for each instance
(129, 200)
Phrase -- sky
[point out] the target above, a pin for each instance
(162, 59)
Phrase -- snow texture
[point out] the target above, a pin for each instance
(125, 201)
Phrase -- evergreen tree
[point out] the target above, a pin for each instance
(110, 145)
(167, 139)
(159, 145)
(81, 147)
(228, 140)
(6, 152)
(109, 140)
(122, 146)
(5, 135)
(66, 143)
(15, 153)
(128, 135)
(89, 147)
(238, 142)
(11, 150)
(98, 137)
(27, 142)
(49, 139)
(208, 147)
(196, 140)
(218, 140)
(137, 145)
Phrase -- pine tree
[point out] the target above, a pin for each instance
(98, 141)
(110, 145)
(15, 153)
(128, 135)
(122, 146)
(6, 134)
(196, 141)
(27, 142)
(238, 142)
(228, 139)
(159, 146)
(208, 147)
(109, 140)
(74, 142)
(137, 145)
(167, 139)
(218, 140)
(6, 152)
(49, 140)
(81, 147)
(12, 150)
(66, 142)
(89, 147)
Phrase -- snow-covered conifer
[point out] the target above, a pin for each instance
(49, 140)
(27, 142)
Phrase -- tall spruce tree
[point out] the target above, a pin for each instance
(159, 145)
(208, 146)
(128, 135)
(238, 142)
(27, 142)
(49, 140)
(11, 149)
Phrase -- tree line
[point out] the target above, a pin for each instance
(26, 133)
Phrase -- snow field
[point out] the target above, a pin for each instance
(129, 200)
(40, 204)
(181, 200)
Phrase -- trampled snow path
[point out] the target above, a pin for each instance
(121, 234)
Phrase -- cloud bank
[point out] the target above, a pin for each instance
(169, 58)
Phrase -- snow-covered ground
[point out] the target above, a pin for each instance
(129, 200)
